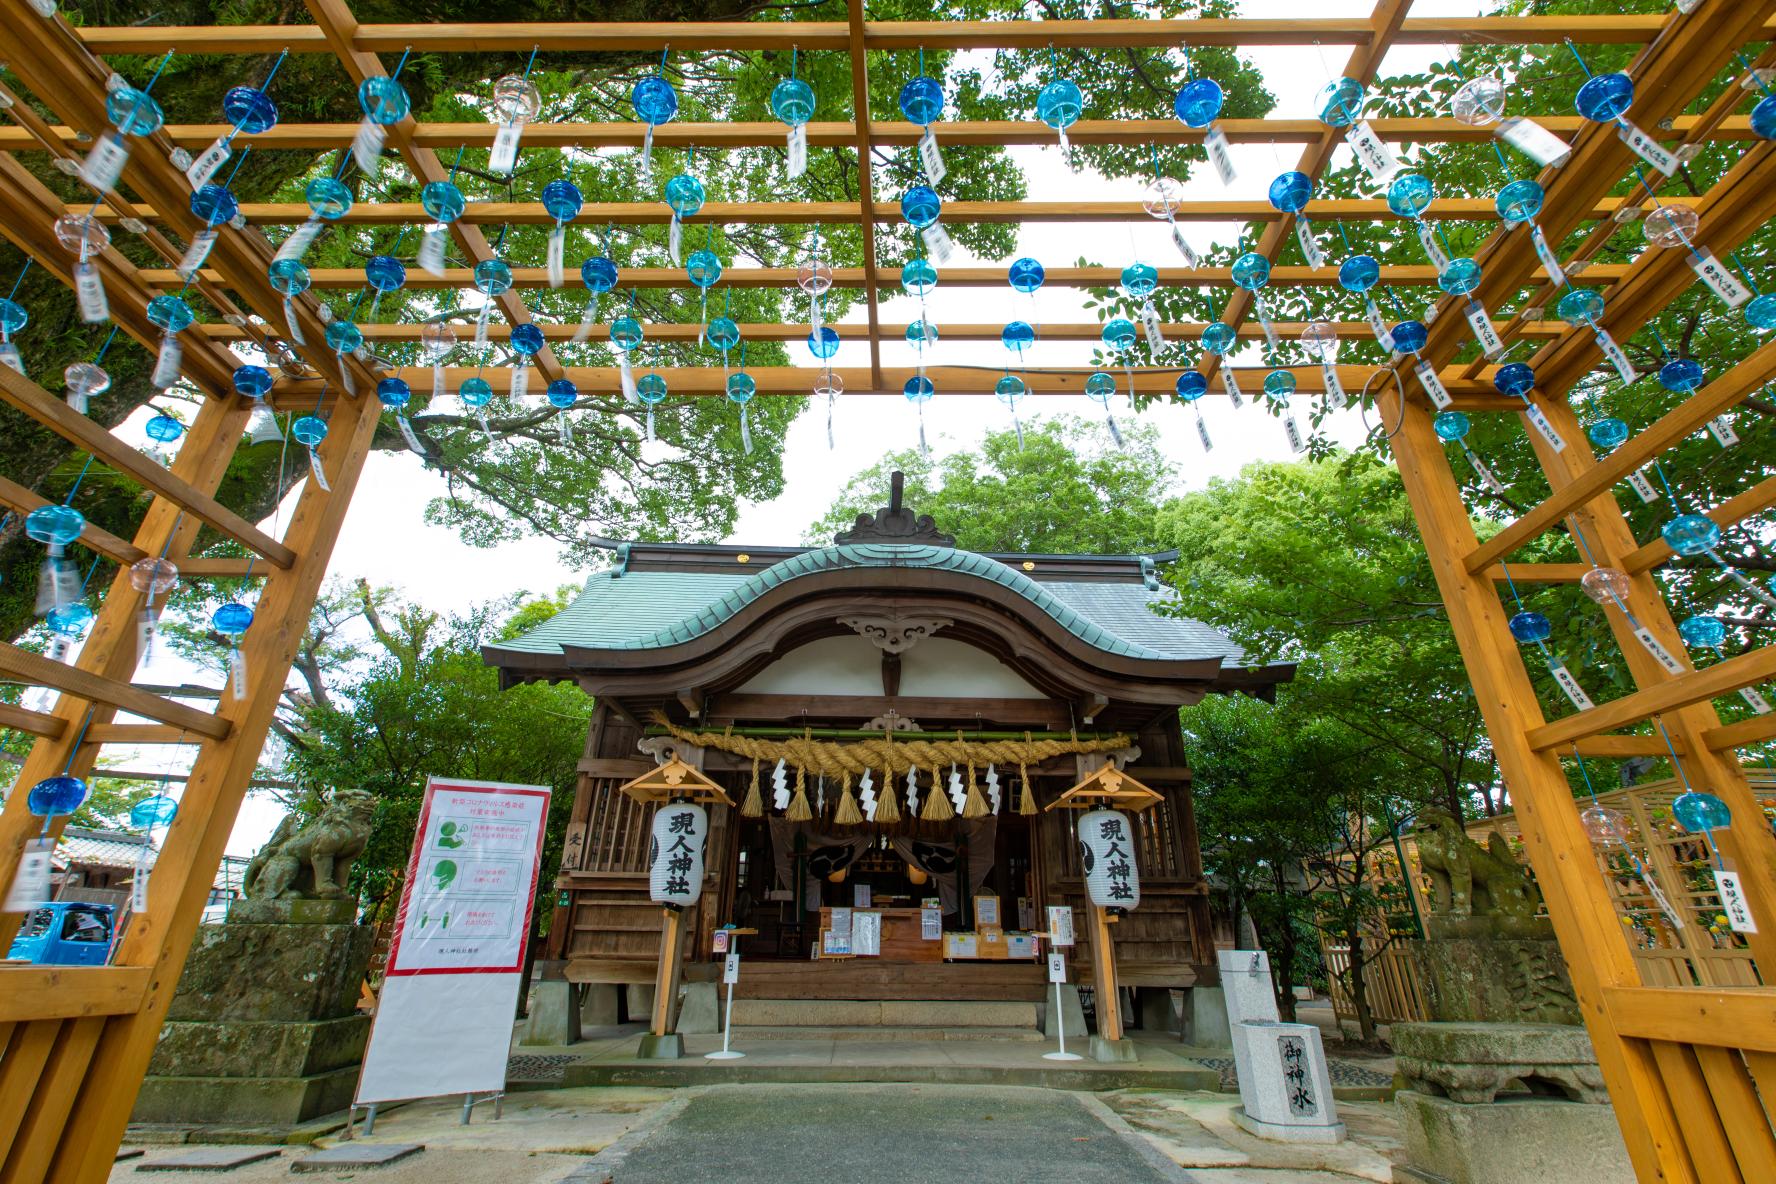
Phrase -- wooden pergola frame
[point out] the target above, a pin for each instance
(1687, 1068)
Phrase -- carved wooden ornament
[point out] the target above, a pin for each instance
(675, 781)
(1108, 788)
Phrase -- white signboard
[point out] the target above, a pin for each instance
(1060, 925)
(1057, 968)
(444, 1019)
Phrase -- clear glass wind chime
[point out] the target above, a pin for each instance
(918, 278)
(815, 278)
(1608, 831)
(516, 102)
(82, 380)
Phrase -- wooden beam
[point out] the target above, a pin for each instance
(868, 216)
(37, 670)
(139, 734)
(95, 538)
(798, 331)
(590, 36)
(1538, 573)
(795, 381)
(1288, 275)
(340, 26)
(1689, 416)
(1696, 1015)
(1610, 747)
(806, 213)
(715, 137)
(35, 723)
(1734, 510)
(1694, 686)
(69, 992)
(1757, 730)
(26, 396)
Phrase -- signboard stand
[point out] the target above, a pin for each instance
(1060, 939)
(730, 976)
(443, 1020)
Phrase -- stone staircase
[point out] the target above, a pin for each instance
(886, 1020)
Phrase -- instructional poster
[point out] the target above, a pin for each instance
(444, 1018)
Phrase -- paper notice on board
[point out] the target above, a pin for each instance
(931, 924)
(866, 934)
(1733, 902)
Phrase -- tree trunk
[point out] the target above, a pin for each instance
(1359, 987)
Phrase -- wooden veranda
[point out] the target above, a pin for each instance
(1690, 1070)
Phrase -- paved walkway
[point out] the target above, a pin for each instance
(869, 1134)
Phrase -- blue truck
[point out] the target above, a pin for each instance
(65, 933)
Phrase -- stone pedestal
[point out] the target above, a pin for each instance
(263, 1028)
(1495, 970)
(1511, 1142)
(1285, 1086)
(1505, 1104)
(1205, 1018)
(598, 1009)
(554, 1016)
(699, 1010)
(1071, 1013)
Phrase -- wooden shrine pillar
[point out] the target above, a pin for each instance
(1104, 975)
(667, 976)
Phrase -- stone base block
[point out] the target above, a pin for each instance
(554, 1014)
(1113, 1050)
(1205, 1018)
(273, 971)
(1290, 1133)
(638, 1001)
(244, 1048)
(1157, 1011)
(598, 1009)
(1516, 1141)
(252, 911)
(1471, 1063)
(669, 1047)
(1071, 1013)
(699, 1011)
(263, 1101)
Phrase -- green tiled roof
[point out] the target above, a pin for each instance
(654, 610)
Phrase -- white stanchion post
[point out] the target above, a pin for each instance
(1057, 974)
(730, 976)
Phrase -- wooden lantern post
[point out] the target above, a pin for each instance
(674, 781)
(1109, 788)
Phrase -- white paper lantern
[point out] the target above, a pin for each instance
(675, 860)
(1107, 857)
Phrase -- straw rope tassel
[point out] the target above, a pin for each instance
(847, 813)
(799, 810)
(887, 809)
(975, 804)
(754, 805)
(1027, 803)
(937, 802)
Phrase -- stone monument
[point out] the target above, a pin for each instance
(1502, 1086)
(1285, 1086)
(264, 1029)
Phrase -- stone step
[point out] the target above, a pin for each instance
(883, 1013)
(885, 1034)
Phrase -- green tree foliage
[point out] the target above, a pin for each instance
(426, 705)
(521, 477)
(1320, 563)
(1065, 490)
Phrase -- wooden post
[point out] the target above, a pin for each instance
(1104, 976)
(666, 980)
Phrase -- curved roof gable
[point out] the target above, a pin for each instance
(920, 555)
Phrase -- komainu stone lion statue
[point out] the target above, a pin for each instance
(312, 860)
(1467, 879)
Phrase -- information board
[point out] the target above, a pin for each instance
(444, 1017)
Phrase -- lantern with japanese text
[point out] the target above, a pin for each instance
(1107, 857)
(675, 858)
